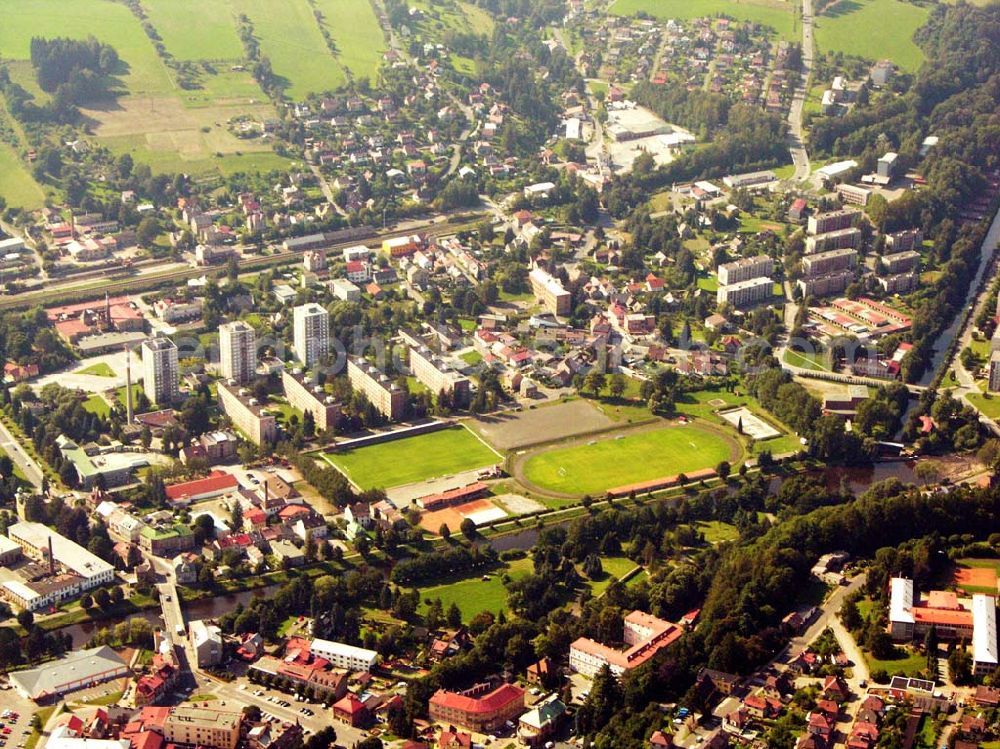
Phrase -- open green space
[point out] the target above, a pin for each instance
(805, 360)
(290, 37)
(113, 23)
(473, 595)
(357, 34)
(17, 186)
(412, 459)
(615, 568)
(96, 404)
(101, 369)
(196, 30)
(781, 16)
(909, 663)
(600, 465)
(873, 29)
(989, 406)
(472, 358)
(18, 473)
(716, 532)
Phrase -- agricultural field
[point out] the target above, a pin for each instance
(780, 15)
(599, 465)
(406, 461)
(873, 29)
(290, 37)
(194, 30)
(357, 34)
(17, 186)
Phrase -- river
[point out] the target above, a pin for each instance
(857, 479)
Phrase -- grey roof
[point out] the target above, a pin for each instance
(72, 668)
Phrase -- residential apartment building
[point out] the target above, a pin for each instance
(340, 655)
(387, 397)
(401, 246)
(745, 269)
(481, 709)
(190, 726)
(237, 352)
(437, 375)
(829, 262)
(901, 262)
(254, 422)
(853, 194)
(833, 240)
(206, 641)
(907, 239)
(845, 218)
(311, 333)
(831, 283)
(160, 374)
(550, 292)
(994, 383)
(898, 283)
(310, 397)
(745, 292)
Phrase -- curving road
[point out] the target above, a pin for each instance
(796, 143)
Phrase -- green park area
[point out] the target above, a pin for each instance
(779, 15)
(101, 369)
(873, 29)
(599, 465)
(475, 594)
(412, 459)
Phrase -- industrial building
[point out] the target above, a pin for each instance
(75, 670)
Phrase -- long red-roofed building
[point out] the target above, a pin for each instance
(479, 709)
(643, 633)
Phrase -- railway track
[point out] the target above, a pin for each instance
(135, 284)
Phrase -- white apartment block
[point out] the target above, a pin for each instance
(745, 292)
(237, 352)
(159, 370)
(311, 333)
(745, 269)
(344, 656)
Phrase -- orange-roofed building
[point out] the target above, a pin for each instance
(477, 709)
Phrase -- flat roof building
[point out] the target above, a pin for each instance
(311, 333)
(192, 726)
(237, 352)
(341, 655)
(387, 397)
(247, 415)
(745, 269)
(36, 539)
(438, 376)
(745, 292)
(844, 218)
(309, 397)
(550, 292)
(160, 374)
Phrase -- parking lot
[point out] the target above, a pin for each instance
(16, 720)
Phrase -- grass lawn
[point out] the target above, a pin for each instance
(96, 404)
(100, 369)
(715, 531)
(357, 34)
(290, 37)
(603, 464)
(17, 186)
(474, 595)
(113, 23)
(472, 358)
(202, 697)
(615, 568)
(787, 443)
(413, 459)
(909, 664)
(805, 360)
(778, 15)
(18, 473)
(873, 29)
(43, 714)
(990, 407)
(194, 30)
(708, 283)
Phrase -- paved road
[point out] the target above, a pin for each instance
(21, 458)
(796, 144)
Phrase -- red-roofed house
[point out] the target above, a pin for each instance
(454, 740)
(351, 710)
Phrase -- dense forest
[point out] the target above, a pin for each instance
(74, 71)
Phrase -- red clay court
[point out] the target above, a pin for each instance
(453, 516)
(976, 577)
